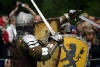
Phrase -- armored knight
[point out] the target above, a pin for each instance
(27, 50)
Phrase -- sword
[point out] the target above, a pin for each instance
(85, 19)
(89, 21)
(47, 24)
(94, 59)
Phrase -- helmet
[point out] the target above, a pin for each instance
(66, 27)
(24, 19)
(25, 24)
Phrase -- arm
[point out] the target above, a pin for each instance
(7, 63)
(39, 52)
(67, 16)
(13, 12)
(30, 10)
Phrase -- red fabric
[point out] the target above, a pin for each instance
(1, 22)
(73, 31)
(5, 37)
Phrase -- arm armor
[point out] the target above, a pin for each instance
(38, 52)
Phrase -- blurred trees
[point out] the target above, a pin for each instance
(54, 8)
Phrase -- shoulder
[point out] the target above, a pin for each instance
(9, 28)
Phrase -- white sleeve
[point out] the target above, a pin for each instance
(10, 33)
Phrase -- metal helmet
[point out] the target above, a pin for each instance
(66, 27)
(24, 19)
(24, 24)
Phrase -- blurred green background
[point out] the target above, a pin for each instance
(54, 8)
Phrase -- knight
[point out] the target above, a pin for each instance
(27, 49)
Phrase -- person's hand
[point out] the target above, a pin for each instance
(7, 63)
(26, 6)
(57, 37)
(2, 30)
(18, 3)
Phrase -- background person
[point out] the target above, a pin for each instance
(3, 42)
(94, 47)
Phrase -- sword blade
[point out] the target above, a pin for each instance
(45, 21)
(94, 59)
(89, 21)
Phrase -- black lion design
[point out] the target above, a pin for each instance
(70, 54)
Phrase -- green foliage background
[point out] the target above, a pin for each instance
(54, 8)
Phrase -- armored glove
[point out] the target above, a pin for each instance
(74, 13)
(57, 37)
